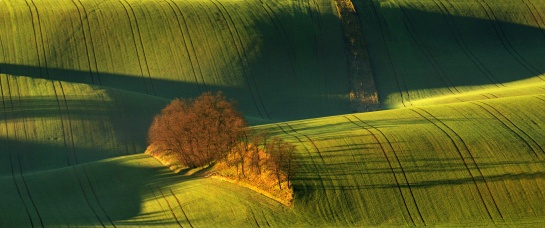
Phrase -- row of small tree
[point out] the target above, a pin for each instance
(209, 128)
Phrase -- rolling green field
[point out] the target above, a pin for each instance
(460, 141)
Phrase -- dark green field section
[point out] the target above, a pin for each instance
(463, 144)
(47, 124)
(268, 55)
(464, 164)
(425, 48)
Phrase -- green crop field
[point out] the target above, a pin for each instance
(460, 141)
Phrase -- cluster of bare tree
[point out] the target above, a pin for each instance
(257, 153)
(209, 128)
(198, 131)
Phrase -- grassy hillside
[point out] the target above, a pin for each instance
(475, 163)
(425, 48)
(466, 163)
(266, 54)
(48, 124)
(80, 81)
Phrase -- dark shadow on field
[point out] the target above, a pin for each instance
(294, 69)
(104, 193)
(49, 132)
(450, 46)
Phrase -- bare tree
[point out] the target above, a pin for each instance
(280, 161)
(198, 131)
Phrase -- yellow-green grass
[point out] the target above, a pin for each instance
(132, 190)
(48, 124)
(421, 49)
(460, 164)
(266, 54)
(473, 163)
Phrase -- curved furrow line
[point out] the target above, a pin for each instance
(463, 161)
(180, 205)
(463, 45)
(84, 16)
(25, 132)
(135, 41)
(85, 41)
(400, 80)
(288, 47)
(158, 202)
(466, 148)
(505, 41)
(408, 185)
(61, 117)
(255, 219)
(437, 68)
(539, 97)
(170, 207)
(19, 190)
(9, 150)
(72, 140)
(95, 195)
(310, 140)
(36, 33)
(87, 197)
(318, 41)
(313, 163)
(538, 19)
(265, 217)
(398, 162)
(187, 42)
(243, 59)
(499, 114)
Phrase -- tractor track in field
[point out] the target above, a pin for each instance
(463, 159)
(18, 188)
(312, 160)
(72, 140)
(437, 68)
(170, 207)
(463, 45)
(158, 202)
(62, 123)
(243, 59)
(400, 80)
(36, 16)
(400, 166)
(9, 151)
(265, 217)
(497, 117)
(318, 41)
(398, 182)
(25, 132)
(87, 197)
(82, 13)
(288, 47)
(95, 195)
(181, 208)
(500, 33)
(466, 148)
(537, 18)
(142, 59)
(187, 40)
(255, 219)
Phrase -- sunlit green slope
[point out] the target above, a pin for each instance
(269, 55)
(474, 163)
(464, 163)
(48, 124)
(426, 48)
(134, 190)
